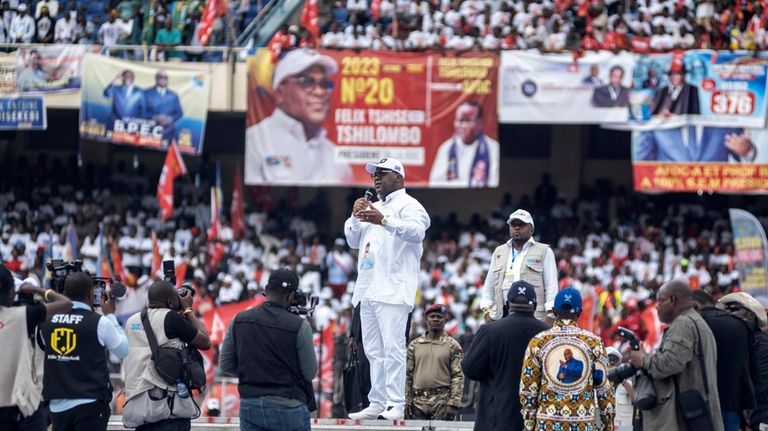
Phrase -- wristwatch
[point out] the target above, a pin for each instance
(384, 220)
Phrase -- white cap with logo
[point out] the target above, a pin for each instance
(388, 164)
(299, 60)
(522, 215)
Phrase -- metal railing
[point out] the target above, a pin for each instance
(255, 22)
(148, 53)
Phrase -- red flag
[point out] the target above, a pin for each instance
(375, 8)
(236, 211)
(276, 45)
(213, 10)
(157, 259)
(309, 18)
(121, 273)
(181, 272)
(172, 168)
(216, 320)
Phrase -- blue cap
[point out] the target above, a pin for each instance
(568, 301)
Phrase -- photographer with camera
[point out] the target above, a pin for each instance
(20, 393)
(684, 367)
(76, 380)
(154, 403)
(270, 350)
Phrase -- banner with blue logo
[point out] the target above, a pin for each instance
(556, 89)
(143, 105)
(635, 92)
(22, 113)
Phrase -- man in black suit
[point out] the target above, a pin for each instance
(677, 98)
(613, 95)
(495, 359)
(734, 378)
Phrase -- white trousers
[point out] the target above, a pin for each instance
(383, 328)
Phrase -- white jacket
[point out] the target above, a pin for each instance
(389, 256)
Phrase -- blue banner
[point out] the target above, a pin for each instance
(143, 105)
(22, 113)
(711, 88)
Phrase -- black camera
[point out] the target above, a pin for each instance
(302, 303)
(624, 371)
(169, 271)
(60, 270)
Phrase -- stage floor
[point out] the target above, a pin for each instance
(231, 424)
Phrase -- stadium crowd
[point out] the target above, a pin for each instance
(637, 25)
(124, 22)
(615, 247)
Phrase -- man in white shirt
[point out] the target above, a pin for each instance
(22, 26)
(289, 146)
(64, 31)
(110, 31)
(388, 235)
(520, 258)
(52, 5)
(469, 158)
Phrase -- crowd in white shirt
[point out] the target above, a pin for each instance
(633, 243)
(548, 25)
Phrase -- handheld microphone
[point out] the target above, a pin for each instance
(368, 195)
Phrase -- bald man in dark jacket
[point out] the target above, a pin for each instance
(495, 359)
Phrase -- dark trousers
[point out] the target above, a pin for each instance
(85, 417)
(11, 419)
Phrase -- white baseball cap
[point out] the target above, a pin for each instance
(22, 7)
(299, 60)
(388, 164)
(522, 215)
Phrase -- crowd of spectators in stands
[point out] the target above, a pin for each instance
(615, 246)
(546, 25)
(163, 23)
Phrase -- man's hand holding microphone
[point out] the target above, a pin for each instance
(364, 211)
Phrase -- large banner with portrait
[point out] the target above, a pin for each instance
(701, 159)
(558, 88)
(640, 92)
(50, 69)
(143, 105)
(317, 117)
(712, 88)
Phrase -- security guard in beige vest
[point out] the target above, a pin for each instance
(520, 258)
(434, 382)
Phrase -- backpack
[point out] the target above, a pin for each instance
(174, 365)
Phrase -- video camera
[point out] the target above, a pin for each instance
(299, 304)
(169, 274)
(60, 269)
(625, 371)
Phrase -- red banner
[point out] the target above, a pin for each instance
(705, 177)
(309, 18)
(173, 167)
(436, 113)
(217, 319)
(213, 9)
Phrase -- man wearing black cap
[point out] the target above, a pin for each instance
(496, 356)
(433, 379)
(270, 351)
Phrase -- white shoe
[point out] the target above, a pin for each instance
(370, 412)
(393, 413)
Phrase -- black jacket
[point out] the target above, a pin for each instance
(495, 359)
(760, 377)
(734, 377)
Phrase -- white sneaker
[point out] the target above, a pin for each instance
(393, 413)
(370, 412)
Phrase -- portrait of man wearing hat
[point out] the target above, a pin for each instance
(520, 258)
(290, 146)
(679, 97)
